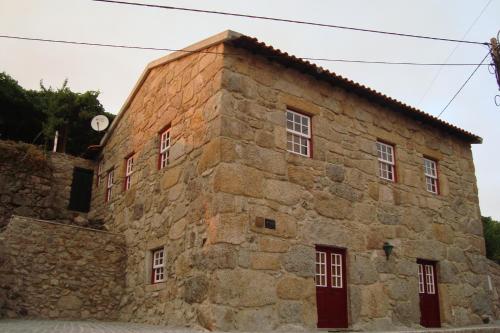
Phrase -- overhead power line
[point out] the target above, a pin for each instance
(463, 85)
(324, 25)
(59, 41)
(431, 84)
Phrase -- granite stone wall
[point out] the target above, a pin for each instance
(229, 169)
(52, 270)
(494, 275)
(336, 198)
(37, 184)
(171, 207)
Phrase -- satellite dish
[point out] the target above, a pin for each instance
(99, 123)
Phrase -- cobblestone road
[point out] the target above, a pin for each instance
(56, 326)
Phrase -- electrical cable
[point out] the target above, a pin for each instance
(291, 21)
(463, 85)
(211, 52)
(431, 84)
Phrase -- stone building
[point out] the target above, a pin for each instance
(257, 191)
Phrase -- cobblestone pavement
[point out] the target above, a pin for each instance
(59, 326)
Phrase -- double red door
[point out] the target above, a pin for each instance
(428, 292)
(331, 287)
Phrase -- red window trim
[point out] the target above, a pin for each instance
(393, 145)
(109, 189)
(310, 116)
(126, 158)
(160, 133)
(100, 163)
(438, 187)
(153, 264)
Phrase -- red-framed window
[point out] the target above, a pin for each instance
(386, 161)
(158, 266)
(163, 159)
(298, 133)
(431, 175)
(100, 168)
(129, 170)
(109, 184)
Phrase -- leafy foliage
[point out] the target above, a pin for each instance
(35, 115)
(491, 230)
(19, 119)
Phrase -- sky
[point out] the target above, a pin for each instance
(114, 71)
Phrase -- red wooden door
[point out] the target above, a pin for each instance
(428, 292)
(331, 287)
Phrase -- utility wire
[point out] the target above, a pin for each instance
(431, 84)
(463, 85)
(292, 21)
(212, 52)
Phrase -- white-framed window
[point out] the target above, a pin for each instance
(431, 175)
(129, 169)
(386, 163)
(164, 148)
(109, 185)
(429, 279)
(158, 267)
(421, 288)
(320, 269)
(100, 168)
(298, 133)
(336, 270)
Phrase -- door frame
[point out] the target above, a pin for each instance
(346, 281)
(434, 263)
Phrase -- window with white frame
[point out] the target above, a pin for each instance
(336, 270)
(386, 164)
(431, 176)
(298, 133)
(129, 169)
(421, 288)
(164, 148)
(158, 267)
(100, 168)
(429, 279)
(109, 185)
(320, 269)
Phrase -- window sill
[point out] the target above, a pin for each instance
(156, 286)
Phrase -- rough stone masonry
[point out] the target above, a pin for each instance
(229, 167)
(221, 221)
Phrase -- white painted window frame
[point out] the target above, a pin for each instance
(431, 175)
(109, 185)
(129, 170)
(421, 287)
(100, 168)
(385, 153)
(429, 279)
(320, 276)
(336, 270)
(158, 267)
(298, 135)
(165, 148)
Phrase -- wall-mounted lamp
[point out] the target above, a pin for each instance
(387, 249)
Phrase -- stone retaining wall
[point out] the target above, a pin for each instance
(36, 183)
(52, 270)
(494, 273)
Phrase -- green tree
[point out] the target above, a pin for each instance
(19, 119)
(34, 116)
(491, 230)
(69, 113)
